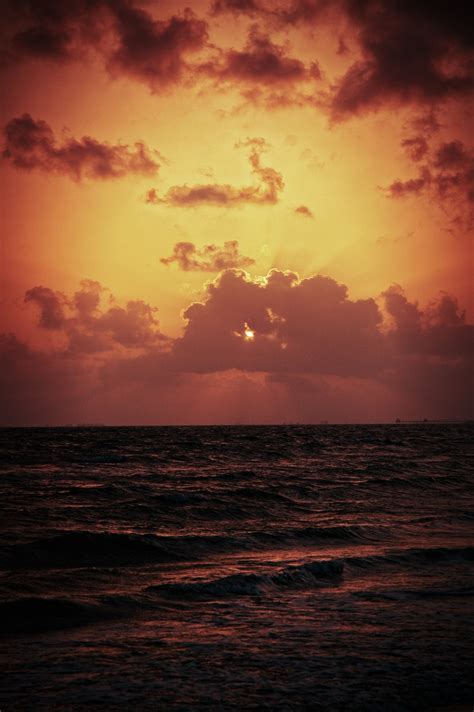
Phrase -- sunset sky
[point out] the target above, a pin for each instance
(240, 211)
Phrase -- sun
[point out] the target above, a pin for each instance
(249, 334)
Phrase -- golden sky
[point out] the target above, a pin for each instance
(164, 155)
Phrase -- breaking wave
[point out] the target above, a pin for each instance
(317, 573)
(79, 549)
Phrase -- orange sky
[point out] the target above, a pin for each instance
(338, 127)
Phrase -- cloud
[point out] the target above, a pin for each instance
(411, 53)
(210, 258)
(284, 324)
(446, 175)
(415, 147)
(153, 51)
(433, 349)
(60, 387)
(51, 306)
(280, 323)
(260, 62)
(402, 188)
(452, 155)
(264, 192)
(160, 53)
(38, 387)
(277, 323)
(263, 72)
(31, 144)
(129, 40)
(439, 330)
(432, 389)
(88, 328)
(254, 349)
(246, 7)
(286, 13)
(426, 123)
(53, 31)
(304, 211)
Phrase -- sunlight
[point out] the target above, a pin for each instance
(249, 334)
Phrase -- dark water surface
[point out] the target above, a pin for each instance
(237, 568)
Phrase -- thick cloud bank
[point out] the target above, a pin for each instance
(266, 348)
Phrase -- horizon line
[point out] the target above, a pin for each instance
(397, 421)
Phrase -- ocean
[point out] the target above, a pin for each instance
(291, 567)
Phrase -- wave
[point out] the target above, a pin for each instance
(86, 548)
(414, 557)
(343, 533)
(317, 573)
(313, 574)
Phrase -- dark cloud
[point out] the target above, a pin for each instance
(406, 316)
(281, 324)
(45, 43)
(40, 388)
(452, 155)
(51, 306)
(275, 97)
(412, 52)
(302, 11)
(57, 387)
(153, 51)
(87, 328)
(127, 37)
(342, 48)
(291, 12)
(260, 62)
(447, 175)
(438, 331)
(413, 186)
(264, 192)
(31, 144)
(427, 123)
(303, 343)
(433, 355)
(432, 388)
(304, 210)
(445, 311)
(210, 258)
(245, 7)
(415, 147)
(58, 32)
(132, 326)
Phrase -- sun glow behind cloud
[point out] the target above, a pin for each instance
(249, 334)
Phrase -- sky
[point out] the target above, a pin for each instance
(236, 211)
